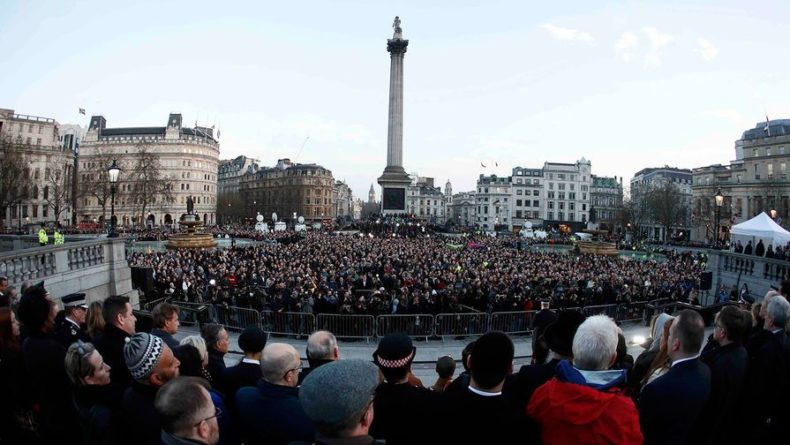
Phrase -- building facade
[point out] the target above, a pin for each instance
(606, 203)
(494, 203)
(426, 201)
(343, 201)
(529, 198)
(188, 160)
(756, 181)
(462, 210)
(567, 189)
(290, 190)
(232, 170)
(649, 179)
(50, 170)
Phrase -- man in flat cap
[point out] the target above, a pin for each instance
(151, 364)
(396, 397)
(70, 328)
(338, 399)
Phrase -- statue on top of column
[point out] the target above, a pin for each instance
(396, 26)
(190, 205)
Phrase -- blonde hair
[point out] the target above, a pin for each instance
(200, 344)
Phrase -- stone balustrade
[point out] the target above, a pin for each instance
(758, 273)
(96, 266)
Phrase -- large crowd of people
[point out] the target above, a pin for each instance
(101, 382)
(367, 274)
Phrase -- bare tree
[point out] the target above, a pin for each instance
(773, 192)
(150, 188)
(14, 174)
(667, 206)
(95, 183)
(57, 193)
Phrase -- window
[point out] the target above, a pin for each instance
(38, 141)
(551, 195)
(518, 213)
(768, 151)
(571, 206)
(755, 152)
(562, 205)
(572, 195)
(549, 215)
(571, 217)
(561, 195)
(535, 203)
(519, 192)
(572, 186)
(551, 186)
(584, 207)
(551, 204)
(560, 216)
(770, 170)
(561, 186)
(518, 203)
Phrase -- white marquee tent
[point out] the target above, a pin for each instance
(761, 227)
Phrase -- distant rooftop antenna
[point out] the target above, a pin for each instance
(300, 150)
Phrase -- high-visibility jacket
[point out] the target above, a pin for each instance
(42, 236)
(59, 238)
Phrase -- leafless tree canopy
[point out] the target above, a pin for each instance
(148, 188)
(95, 183)
(14, 175)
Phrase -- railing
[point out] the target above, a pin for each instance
(517, 322)
(349, 326)
(634, 311)
(236, 318)
(286, 323)
(461, 324)
(609, 310)
(418, 325)
(85, 256)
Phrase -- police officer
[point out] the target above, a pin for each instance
(59, 238)
(43, 239)
(70, 328)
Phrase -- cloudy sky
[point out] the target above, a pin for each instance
(627, 84)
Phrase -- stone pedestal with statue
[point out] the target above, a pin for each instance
(190, 236)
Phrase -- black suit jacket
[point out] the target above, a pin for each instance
(241, 375)
(670, 406)
(528, 379)
(721, 420)
(767, 391)
(110, 345)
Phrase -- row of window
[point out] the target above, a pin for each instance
(30, 210)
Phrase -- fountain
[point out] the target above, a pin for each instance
(191, 238)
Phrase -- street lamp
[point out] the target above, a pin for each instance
(113, 173)
(719, 201)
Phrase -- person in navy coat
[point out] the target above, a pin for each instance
(670, 406)
(248, 371)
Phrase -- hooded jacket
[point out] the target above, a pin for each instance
(585, 407)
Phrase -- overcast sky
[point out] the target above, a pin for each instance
(627, 85)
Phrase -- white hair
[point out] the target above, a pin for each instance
(777, 310)
(595, 343)
(198, 342)
(321, 345)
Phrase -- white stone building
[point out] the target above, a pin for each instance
(648, 178)
(231, 172)
(494, 203)
(426, 201)
(343, 200)
(189, 157)
(462, 209)
(567, 190)
(50, 170)
(528, 196)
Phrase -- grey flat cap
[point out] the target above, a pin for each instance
(334, 392)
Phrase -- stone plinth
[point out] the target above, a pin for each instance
(191, 238)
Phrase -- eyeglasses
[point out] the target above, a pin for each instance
(217, 414)
(298, 370)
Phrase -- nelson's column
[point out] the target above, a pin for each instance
(394, 180)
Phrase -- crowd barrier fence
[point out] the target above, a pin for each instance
(415, 325)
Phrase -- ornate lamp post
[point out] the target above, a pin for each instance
(113, 173)
(719, 201)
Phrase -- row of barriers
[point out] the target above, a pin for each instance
(415, 325)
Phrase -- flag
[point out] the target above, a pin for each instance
(767, 128)
(482, 165)
(82, 110)
(496, 164)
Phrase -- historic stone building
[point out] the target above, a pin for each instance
(528, 197)
(188, 159)
(232, 170)
(462, 209)
(50, 170)
(606, 203)
(343, 200)
(567, 190)
(425, 201)
(290, 190)
(649, 178)
(756, 181)
(493, 200)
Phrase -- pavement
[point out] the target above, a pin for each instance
(427, 351)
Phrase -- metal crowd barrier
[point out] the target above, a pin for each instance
(516, 322)
(417, 325)
(634, 311)
(288, 323)
(236, 318)
(149, 306)
(194, 313)
(457, 324)
(348, 326)
(609, 310)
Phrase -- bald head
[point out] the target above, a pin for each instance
(281, 364)
(322, 345)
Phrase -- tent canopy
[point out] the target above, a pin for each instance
(761, 227)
